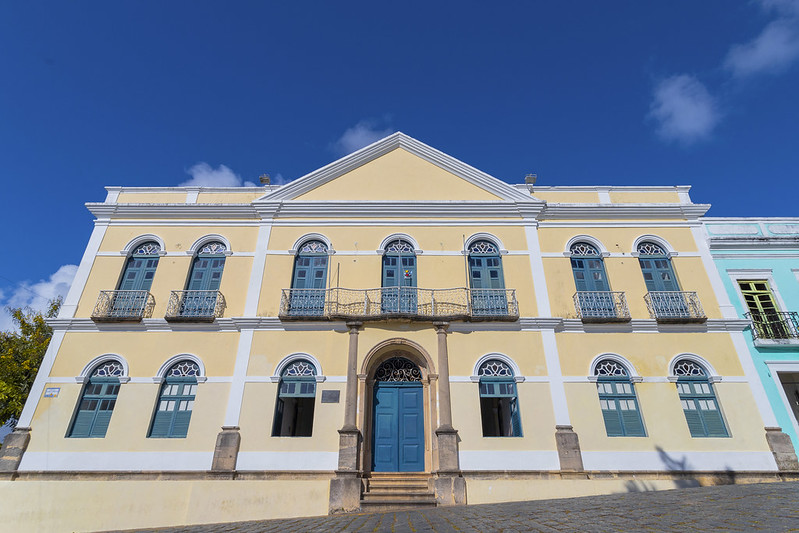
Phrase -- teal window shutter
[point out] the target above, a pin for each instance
(486, 279)
(618, 401)
(140, 268)
(175, 401)
(309, 280)
(97, 401)
(698, 400)
(656, 268)
(499, 401)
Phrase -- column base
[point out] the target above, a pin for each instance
(14, 446)
(568, 444)
(345, 492)
(349, 449)
(226, 451)
(782, 448)
(448, 460)
(450, 488)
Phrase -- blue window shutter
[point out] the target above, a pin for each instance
(82, 424)
(619, 406)
(138, 274)
(161, 423)
(95, 407)
(701, 408)
(612, 418)
(180, 428)
(631, 419)
(516, 417)
(694, 420)
(714, 423)
(658, 273)
(174, 407)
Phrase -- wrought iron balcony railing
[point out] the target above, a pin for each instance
(601, 306)
(195, 306)
(774, 325)
(675, 306)
(119, 306)
(399, 302)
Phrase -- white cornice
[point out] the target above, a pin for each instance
(146, 190)
(383, 146)
(638, 325)
(610, 188)
(753, 243)
(194, 211)
(564, 211)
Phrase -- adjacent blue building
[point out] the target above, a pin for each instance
(758, 259)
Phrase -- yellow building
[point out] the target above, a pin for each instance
(395, 328)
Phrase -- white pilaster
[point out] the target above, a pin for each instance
(41, 379)
(239, 375)
(258, 268)
(551, 356)
(70, 304)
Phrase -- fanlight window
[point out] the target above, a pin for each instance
(698, 400)
(296, 397)
(400, 246)
(147, 248)
(313, 247)
(97, 401)
(176, 401)
(499, 402)
(618, 400)
(398, 369)
(213, 248)
(584, 249)
(650, 248)
(483, 247)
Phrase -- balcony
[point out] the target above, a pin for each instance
(774, 325)
(409, 303)
(123, 306)
(195, 306)
(601, 306)
(675, 306)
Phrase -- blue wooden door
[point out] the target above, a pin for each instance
(137, 278)
(398, 436)
(589, 277)
(658, 274)
(206, 275)
(399, 284)
(310, 278)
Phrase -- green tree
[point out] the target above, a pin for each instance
(21, 353)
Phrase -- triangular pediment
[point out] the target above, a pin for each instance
(398, 168)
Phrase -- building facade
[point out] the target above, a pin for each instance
(394, 328)
(757, 259)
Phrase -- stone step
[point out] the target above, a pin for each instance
(396, 505)
(391, 496)
(383, 489)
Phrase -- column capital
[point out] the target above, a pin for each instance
(354, 326)
(441, 327)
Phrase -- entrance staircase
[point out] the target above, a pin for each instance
(397, 491)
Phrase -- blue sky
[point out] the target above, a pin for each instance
(582, 92)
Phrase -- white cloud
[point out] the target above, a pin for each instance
(774, 49)
(362, 134)
(37, 295)
(204, 175)
(684, 109)
(278, 179)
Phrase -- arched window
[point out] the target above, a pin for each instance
(486, 280)
(618, 400)
(656, 268)
(296, 397)
(309, 280)
(593, 291)
(698, 400)
(499, 403)
(176, 401)
(131, 296)
(399, 278)
(97, 401)
(199, 300)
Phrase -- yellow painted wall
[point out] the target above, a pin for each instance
(567, 197)
(78, 505)
(665, 422)
(243, 197)
(398, 175)
(650, 353)
(616, 239)
(151, 198)
(649, 197)
(178, 238)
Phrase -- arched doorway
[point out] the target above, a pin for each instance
(398, 442)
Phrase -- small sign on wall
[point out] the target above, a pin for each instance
(330, 396)
(52, 392)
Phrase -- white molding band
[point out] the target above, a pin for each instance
(316, 460)
(680, 461)
(508, 460)
(115, 461)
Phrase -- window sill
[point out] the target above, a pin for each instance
(776, 343)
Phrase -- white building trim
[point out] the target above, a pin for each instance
(712, 375)
(635, 377)
(483, 236)
(680, 461)
(86, 373)
(205, 239)
(394, 236)
(593, 241)
(70, 304)
(282, 461)
(775, 367)
(286, 361)
(116, 461)
(39, 383)
(517, 374)
(509, 460)
(751, 274)
(663, 243)
(312, 237)
(161, 374)
(236, 396)
(258, 269)
(141, 239)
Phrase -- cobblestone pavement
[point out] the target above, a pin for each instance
(762, 507)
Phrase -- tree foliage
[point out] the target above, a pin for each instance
(21, 353)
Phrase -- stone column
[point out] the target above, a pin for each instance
(345, 488)
(13, 449)
(226, 451)
(568, 445)
(782, 448)
(450, 487)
